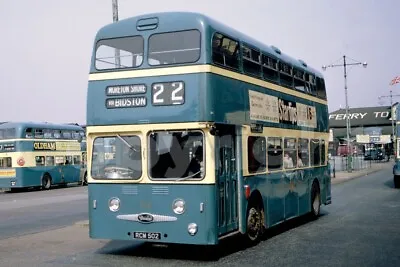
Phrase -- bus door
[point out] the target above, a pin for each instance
(226, 179)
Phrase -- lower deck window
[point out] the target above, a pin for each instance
(275, 153)
(5, 162)
(39, 160)
(117, 157)
(176, 155)
(49, 160)
(256, 151)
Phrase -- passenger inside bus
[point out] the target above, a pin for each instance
(287, 161)
(196, 167)
(299, 161)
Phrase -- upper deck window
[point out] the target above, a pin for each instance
(7, 133)
(321, 91)
(174, 48)
(225, 51)
(119, 53)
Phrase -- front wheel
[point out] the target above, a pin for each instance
(254, 223)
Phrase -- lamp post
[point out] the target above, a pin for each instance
(344, 65)
(115, 19)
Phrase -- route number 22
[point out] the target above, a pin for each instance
(171, 93)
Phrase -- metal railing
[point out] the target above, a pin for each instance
(339, 163)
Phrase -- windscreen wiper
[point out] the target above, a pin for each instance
(126, 143)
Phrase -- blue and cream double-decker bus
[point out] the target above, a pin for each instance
(36, 154)
(196, 132)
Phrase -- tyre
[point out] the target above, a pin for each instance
(46, 182)
(315, 200)
(254, 223)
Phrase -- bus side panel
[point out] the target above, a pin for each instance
(303, 187)
(71, 173)
(325, 185)
(33, 176)
(7, 176)
(273, 192)
(200, 208)
(29, 177)
(230, 100)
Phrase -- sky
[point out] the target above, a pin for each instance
(46, 46)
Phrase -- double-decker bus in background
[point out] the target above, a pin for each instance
(36, 154)
(196, 132)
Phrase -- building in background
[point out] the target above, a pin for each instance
(369, 127)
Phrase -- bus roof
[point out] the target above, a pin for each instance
(46, 125)
(190, 20)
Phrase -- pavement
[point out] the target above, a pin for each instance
(343, 176)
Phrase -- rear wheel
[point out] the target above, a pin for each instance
(46, 182)
(315, 200)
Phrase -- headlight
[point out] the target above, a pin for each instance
(192, 228)
(113, 204)
(178, 206)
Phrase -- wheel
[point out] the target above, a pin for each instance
(254, 223)
(396, 181)
(315, 201)
(46, 182)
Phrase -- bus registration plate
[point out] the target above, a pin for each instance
(145, 235)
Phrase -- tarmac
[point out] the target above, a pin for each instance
(343, 176)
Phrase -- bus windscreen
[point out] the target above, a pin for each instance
(119, 53)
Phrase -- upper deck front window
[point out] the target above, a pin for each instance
(7, 133)
(174, 48)
(119, 53)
